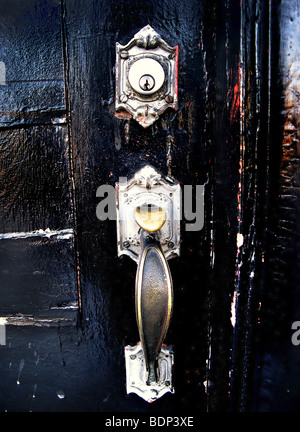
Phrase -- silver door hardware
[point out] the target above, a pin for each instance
(146, 77)
(148, 230)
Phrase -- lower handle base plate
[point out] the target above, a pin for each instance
(136, 374)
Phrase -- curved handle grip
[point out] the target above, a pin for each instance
(154, 300)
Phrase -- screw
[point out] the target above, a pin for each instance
(124, 54)
(154, 394)
(123, 98)
(147, 82)
(169, 99)
(126, 244)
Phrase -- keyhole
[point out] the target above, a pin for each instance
(147, 82)
(146, 85)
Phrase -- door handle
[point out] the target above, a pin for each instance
(148, 226)
(154, 293)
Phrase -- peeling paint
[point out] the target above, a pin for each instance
(23, 320)
(239, 240)
(233, 309)
(64, 234)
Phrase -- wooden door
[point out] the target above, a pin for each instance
(67, 299)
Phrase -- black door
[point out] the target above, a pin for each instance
(67, 299)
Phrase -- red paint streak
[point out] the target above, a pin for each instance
(236, 102)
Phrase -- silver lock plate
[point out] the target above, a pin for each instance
(148, 187)
(146, 77)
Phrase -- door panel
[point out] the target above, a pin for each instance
(182, 145)
(39, 296)
(35, 179)
(31, 52)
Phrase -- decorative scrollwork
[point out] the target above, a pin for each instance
(148, 177)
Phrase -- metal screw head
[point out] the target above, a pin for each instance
(123, 98)
(124, 54)
(146, 82)
(169, 99)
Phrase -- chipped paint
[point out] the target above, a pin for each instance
(233, 309)
(64, 234)
(239, 240)
(25, 320)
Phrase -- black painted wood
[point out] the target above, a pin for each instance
(279, 360)
(37, 277)
(32, 53)
(185, 145)
(35, 181)
(38, 282)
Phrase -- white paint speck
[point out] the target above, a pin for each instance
(239, 240)
(21, 365)
(233, 309)
(60, 394)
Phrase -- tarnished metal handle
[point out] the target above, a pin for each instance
(148, 221)
(154, 301)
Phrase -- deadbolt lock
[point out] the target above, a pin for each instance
(146, 77)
